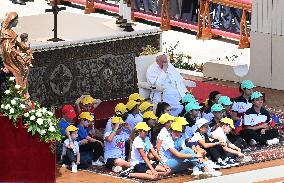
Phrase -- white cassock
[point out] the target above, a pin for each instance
(171, 81)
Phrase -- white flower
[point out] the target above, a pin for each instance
(42, 131)
(12, 78)
(49, 120)
(39, 121)
(7, 92)
(38, 114)
(7, 106)
(17, 87)
(13, 102)
(22, 106)
(51, 129)
(2, 106)
(26, 114)
(44, 110)
(50, 113)
(33, 110)
(32, 118)
(12, 111)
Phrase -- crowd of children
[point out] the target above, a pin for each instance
(145, 141)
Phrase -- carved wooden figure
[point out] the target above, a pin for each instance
(16, 55)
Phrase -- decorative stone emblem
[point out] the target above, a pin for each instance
(60, 80)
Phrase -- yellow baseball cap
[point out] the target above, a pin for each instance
(87, 100)
(165, 118)
(117, 120)
(130, 104)
(181, 120)
(176, 127)
(149, 114)
(120, 107)
(142, 126)
(71, 128)
(86, 115)
(228, 121)
(135, 96)
(145, 105)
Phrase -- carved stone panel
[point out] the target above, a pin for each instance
(104, 70)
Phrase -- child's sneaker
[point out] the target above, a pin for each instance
(126, 172)
(197, 172)
(223, 165)
(252, 142)
(213, 165)
(214, 173)
(116, 169)
(232, 162)
(74, 168)
(97, 163)
(64, 166)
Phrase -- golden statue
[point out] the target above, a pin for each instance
(17, 56)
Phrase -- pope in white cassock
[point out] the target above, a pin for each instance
(163, 73)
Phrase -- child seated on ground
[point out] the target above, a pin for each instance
(120, 110)
(192, 113)
(134, 116)
(141, 148)
(226, 125)
(86, 103)
(257, 123)
(214, 148)
(217, 110)
(87, 143)
(213, 99)
(68, 116)
(165, 120)
(233, 136)
(188, 98)
(114, 152)
(70, 152)
(180, 159)
(151, 119)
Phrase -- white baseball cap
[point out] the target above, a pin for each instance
(200, 122)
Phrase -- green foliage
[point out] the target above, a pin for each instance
(178, 59)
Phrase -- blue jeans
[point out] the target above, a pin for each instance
(179, 165)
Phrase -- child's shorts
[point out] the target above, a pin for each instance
(142, 167)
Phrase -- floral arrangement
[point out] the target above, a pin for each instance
(13, 103)
(181, 60)
(37, 120)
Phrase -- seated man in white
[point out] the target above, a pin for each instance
(163, 73)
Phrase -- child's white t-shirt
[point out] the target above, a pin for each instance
(219, 133)
(167, 144)
(108, 125)
(115, 148)
(164, 133)
(133, 120)
(66, 143)
(138, 143)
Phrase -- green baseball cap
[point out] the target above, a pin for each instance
(256, 95)
(217, 108)
(247, 84)
(224, 100)
(192, 106)
(188, 98)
